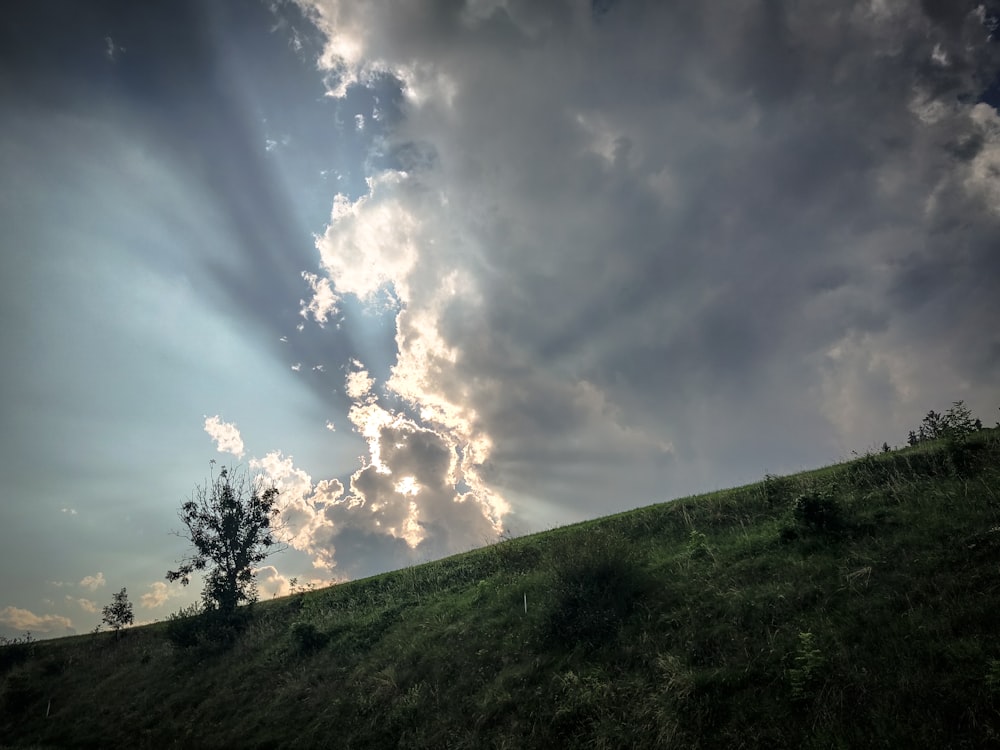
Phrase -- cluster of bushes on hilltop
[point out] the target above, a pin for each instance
(955, 424)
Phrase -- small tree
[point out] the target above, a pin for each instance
(230, 525)
(958, 421)
(933, 426)
(118, 614)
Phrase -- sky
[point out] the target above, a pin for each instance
(447, 269)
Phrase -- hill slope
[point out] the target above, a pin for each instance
(854, 606)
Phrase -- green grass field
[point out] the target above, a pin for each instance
(854, 606)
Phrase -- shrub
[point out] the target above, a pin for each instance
(15, 650)
(777, 490)
(809, 662)
(196, 627)
(595, 587)
(184, 626)
(818, 512)
(697, 546)
(19, 691)
(962, 458)
(513, 556)
(307, 638)
(992, 679)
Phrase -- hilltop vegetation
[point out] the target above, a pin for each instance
(852, 606)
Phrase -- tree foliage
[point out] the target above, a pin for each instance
(958, 421)
(230, 524)
(118, 614)
(955, 425)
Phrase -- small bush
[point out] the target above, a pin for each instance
(15, 650)
(962, 457)
(993, 677)
(307, 638)
(596, 584)
(184, 626)
(195, 627)
(697, 546)
(809, 662)
(513, 556)
(818, 513)
(19, 691)
(777, 490)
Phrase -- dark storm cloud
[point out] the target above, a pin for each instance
(699, 239)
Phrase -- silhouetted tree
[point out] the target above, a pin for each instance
(932, 427)
(118, 614)
(957, 422)
(230, 525)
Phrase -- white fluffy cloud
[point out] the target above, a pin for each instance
(404, 497)
(303, 506)
(23, 619)
(226, 436)
(85, 604)
(272, 583)
(93, 582)
(159, 594)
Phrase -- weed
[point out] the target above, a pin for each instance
(809, 662)
(777, 490)
(697, 546)
(992, 679)
(818, 513)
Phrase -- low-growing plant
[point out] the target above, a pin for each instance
(307, 637)
(961, 455)
(993, 676)
(697, 546)
(19, 691)
(15, 650)
(594, 589)
(818, 512)
(809, 662)
(197, 627)
(777, 490)
(184, 626)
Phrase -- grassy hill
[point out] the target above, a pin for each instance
(853, 606)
